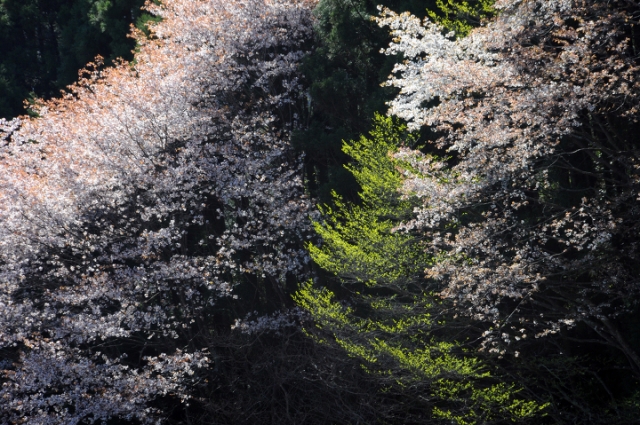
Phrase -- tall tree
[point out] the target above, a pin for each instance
(392, 322)
(138, 207)
(535, 229)
(344, 73)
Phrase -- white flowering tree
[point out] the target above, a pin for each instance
(139, 201)
(534, 217)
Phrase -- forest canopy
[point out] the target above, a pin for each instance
(319, 212)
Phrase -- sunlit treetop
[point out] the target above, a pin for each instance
(538, 110)
(148, 193)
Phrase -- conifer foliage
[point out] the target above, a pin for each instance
(391, 321)
(525, 217)
(43, 44)
(139, 201)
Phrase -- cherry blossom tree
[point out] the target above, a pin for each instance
(534, 217)
(144, 197)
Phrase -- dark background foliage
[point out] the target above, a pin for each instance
(344, 74)
(43, 44)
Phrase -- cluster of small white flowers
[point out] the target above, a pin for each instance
(256, 324)
(139, 199)
(526, 111)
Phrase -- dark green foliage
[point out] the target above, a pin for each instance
(344, 75)
(578, 379)
(43, 43)
(395, 349)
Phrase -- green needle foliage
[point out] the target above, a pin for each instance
(462, 16)
(359, 243)
(392, 323)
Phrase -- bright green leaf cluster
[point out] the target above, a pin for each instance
(462, 16)
(390, 324)
(358, 240)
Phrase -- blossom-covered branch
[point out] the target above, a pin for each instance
(534, 222)
(138, 200)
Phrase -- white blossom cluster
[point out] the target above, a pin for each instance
(531, 221)
(130, 206)
(254, 323)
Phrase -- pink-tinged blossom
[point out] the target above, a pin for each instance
(138, 200)
(534, 220)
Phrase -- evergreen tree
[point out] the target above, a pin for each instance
(534, 232)
(392, 322)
